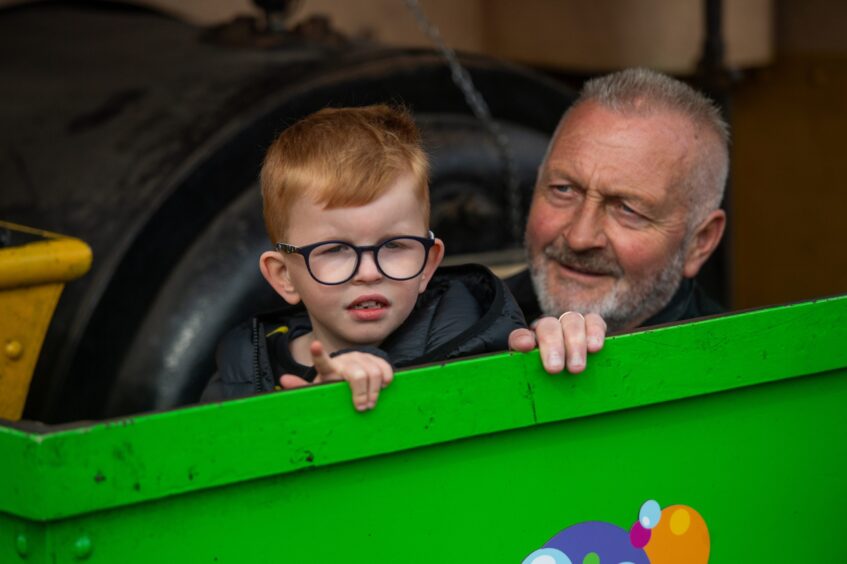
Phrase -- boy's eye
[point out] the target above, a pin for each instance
(395, 245)
(332, 249)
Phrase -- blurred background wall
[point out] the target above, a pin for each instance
(586, 35)
(790, 160)
(788, 100)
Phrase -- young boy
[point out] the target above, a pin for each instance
(346, 205)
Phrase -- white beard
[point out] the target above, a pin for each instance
(628, 303)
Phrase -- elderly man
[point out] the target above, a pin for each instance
(625, 212)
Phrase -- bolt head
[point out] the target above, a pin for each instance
(83, 547)
(22, 545)
(14, 349)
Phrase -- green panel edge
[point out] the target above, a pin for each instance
(67, 472)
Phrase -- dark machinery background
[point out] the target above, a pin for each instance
(143, 135)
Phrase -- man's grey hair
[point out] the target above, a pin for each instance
(644, 92)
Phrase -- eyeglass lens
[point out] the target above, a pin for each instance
(399, 258)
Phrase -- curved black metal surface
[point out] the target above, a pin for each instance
(123, 128)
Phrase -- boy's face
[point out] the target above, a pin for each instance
(368, 307)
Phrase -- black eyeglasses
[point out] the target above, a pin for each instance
(336, 262)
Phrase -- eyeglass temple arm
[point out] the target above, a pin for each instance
(286, 248)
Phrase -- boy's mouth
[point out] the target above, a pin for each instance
(369, 308)
(368, 302)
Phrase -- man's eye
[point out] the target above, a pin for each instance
(626, 209)
(562, 190)
(629, 214)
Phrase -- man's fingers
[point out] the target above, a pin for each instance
(595, 330)
(573, 329)
(551, 345)
(563, 342)
(521, 340)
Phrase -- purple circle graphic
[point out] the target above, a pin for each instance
(609, 542)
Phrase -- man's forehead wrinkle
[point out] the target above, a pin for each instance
(603, 181)
(631, 155)
(657, 192)
(611, 177)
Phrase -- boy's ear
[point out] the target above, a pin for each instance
(703, 243)
(436, 255)
(275, 270)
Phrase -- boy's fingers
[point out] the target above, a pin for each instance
(366, 374)
(387, 374)
(551, 344)
(357, 377)
(290, 381)
(326, 368)
(374, 384)
(380, 375)
(365, 381)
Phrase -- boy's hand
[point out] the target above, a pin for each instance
(367, 374)
(563, 342)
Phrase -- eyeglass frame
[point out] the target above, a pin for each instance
(306, 250)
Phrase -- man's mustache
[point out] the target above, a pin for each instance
(593, 261)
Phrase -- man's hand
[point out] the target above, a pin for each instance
(563, 341)
(367, 374)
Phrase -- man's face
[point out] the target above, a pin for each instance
(607, 228)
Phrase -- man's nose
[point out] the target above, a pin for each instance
(367, 271)
(586, 230)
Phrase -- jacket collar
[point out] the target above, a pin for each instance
(678, 306)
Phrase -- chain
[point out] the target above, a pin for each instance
(462, 78)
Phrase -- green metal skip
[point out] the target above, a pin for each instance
(741, 417)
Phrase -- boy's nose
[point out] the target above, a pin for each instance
(367, 271)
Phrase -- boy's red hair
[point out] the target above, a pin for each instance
(341, 157)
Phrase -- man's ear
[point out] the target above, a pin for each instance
(275, 270)
(436, 255)
(703, 243)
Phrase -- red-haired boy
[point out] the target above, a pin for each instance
(346, 205)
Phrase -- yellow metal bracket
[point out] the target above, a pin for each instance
(33, 272)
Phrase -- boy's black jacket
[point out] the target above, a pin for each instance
(465, 310)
